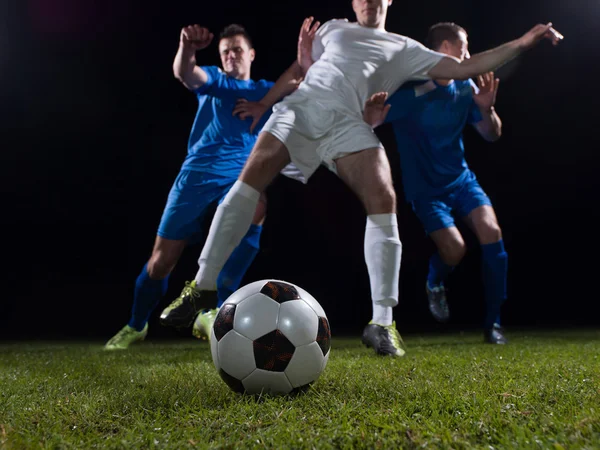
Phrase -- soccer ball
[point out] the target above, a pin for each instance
(270, 337)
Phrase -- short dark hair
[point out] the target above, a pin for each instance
(443, 31)
(235, 30)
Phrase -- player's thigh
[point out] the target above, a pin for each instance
(368, 174)
(450, 245)
(475, 207)
(355, 154)
(484, 223)
(436, 217)
(268, 157)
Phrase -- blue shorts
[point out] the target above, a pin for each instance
(438, 212)
(191, 195)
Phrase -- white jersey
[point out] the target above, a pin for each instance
(352, 62)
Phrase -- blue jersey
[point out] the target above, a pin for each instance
(219, 142)
(428, 120)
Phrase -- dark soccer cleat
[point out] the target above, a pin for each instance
(438, 305)
(385, 340)
(495, 335)
(184, 309)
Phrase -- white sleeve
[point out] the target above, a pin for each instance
(419, 60)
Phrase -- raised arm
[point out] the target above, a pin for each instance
(451, 68)
(287, 83)
(490, 125)
(185, 69)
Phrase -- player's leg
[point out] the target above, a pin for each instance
(240, 260)
(479, 214)
(233, 219)
(150, 287)
(190, 194)
(482, 220)
(369, 176)
(436, 217)
(236, 266)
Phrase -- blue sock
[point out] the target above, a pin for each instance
(147, 295)
(438, 270)
(238, 263)
(494, 271)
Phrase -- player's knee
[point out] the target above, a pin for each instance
(490, 232)
(159, 267)
(453, 252)
(382, 200)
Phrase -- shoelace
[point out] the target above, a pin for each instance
(395, 335)
(187, 290)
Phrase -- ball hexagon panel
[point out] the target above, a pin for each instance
(235, 355)
(256, 316)
(245, 292)
(306, 365)
(298, 322)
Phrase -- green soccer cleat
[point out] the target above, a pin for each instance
(203, 324)
(385, 340)
(125, 337)
(184, 309)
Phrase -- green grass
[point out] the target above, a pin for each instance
(541, 391)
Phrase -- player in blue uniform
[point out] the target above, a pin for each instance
(428, 120)
(218, 147)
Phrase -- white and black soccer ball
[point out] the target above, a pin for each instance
(271, 337)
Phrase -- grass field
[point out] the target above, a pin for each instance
(541, 391)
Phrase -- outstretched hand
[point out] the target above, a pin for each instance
(539, 32)
(305, 42)
(488, 88)
(244, 109)
(376, 110)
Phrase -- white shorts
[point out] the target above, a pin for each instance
(316, 134)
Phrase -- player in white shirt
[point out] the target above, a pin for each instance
(322, 123)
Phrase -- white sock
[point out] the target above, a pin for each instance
(382, 315)
(229, 225)
(383, 253)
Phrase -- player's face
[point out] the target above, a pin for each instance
(460, 47)
(371, 13)
(236, 56)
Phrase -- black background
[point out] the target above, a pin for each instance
(95, 127)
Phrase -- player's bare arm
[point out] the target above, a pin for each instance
(490, 127)
(451, 68)
(191, 39)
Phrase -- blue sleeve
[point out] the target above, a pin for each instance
(403, 101)
(213, 74)
(474, 112)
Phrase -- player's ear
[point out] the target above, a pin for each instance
(252, 54)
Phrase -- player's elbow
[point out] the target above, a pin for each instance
(493, 135)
